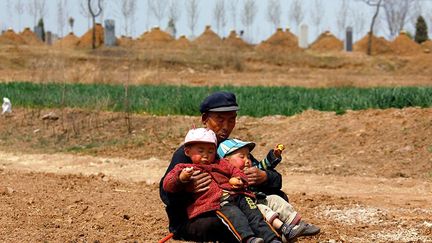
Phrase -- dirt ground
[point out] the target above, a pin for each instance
(364, 176)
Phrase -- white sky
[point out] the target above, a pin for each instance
(261, 28)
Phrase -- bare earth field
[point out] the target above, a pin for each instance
(365, 176)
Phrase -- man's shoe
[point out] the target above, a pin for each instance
(310, 229)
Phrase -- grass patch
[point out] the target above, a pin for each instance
(185, 100)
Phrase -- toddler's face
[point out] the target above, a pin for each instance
(240, 158)
(201, 153)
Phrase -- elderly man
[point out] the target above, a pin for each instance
(219, 113)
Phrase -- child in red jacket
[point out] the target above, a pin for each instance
(227, 194)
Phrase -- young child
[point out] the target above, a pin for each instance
(278, 212)
(227, 195)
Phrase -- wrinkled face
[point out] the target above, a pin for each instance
(240, 158)
(222, 123)
(201, 153)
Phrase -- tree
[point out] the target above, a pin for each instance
(377, 5)
(71, 22)
(397, 13)
(296, 13)
(42, 27)
(219, 15)
(274, 13)
(421, 34)
(318, 13)
(233, 13)
(359, 20)
(174, 13)
(248, 16)
(61, 16)
(94, 13)
(192, 14)
(342, 18)
(128, 10)
(158, 9)
(19, 9)
(83, 9)
(37, 9)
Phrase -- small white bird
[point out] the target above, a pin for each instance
(7, 106)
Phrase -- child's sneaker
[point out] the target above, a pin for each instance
(291, 232)
(254, 240)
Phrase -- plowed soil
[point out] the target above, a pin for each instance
(364, 176)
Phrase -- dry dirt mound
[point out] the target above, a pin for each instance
(403, 45)
(11, 38)
(86, 40)
(69, 41)
(155, 38)
(182, 43)
(234, 41)
(379, 45)
(427, 46)
(280, 41)
(126, 41)
(327, 42)
(208, 39)
(30, 37)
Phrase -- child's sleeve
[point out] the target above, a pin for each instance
(171, 182)
(269, 162)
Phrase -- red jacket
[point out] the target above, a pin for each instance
(221, 171)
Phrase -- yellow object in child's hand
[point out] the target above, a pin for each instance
(280, 147)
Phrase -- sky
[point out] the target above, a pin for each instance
(359, 17)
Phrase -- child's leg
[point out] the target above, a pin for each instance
(235, 220)
(256, 220)
(271, 216)
(286, 211)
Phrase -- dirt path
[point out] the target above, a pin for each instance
(401, 204)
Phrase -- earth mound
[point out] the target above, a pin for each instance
(280, 41)
(86, 40)
(379, 45)
(404, 45)
(155, 38)
(69, 41)
(327, 42)
(208, 39)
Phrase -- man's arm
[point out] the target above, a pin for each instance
(267, 180)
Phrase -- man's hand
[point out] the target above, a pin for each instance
(201, 181)
(255, 176)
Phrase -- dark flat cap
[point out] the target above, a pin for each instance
(219, 102)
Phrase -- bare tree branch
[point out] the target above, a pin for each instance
(158, 9)
(192, 10)
(274, 13)
(219, 15)
(318, 13)
(233, 13)
(248, 16)
(296, 13)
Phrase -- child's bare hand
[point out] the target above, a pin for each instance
(236, 182)
(277, 151)
(186, 174)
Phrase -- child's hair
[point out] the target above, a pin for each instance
(200, 135)
(229, 146)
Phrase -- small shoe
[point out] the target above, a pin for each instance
(291, 232)
(255, 240)
(310, 229)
